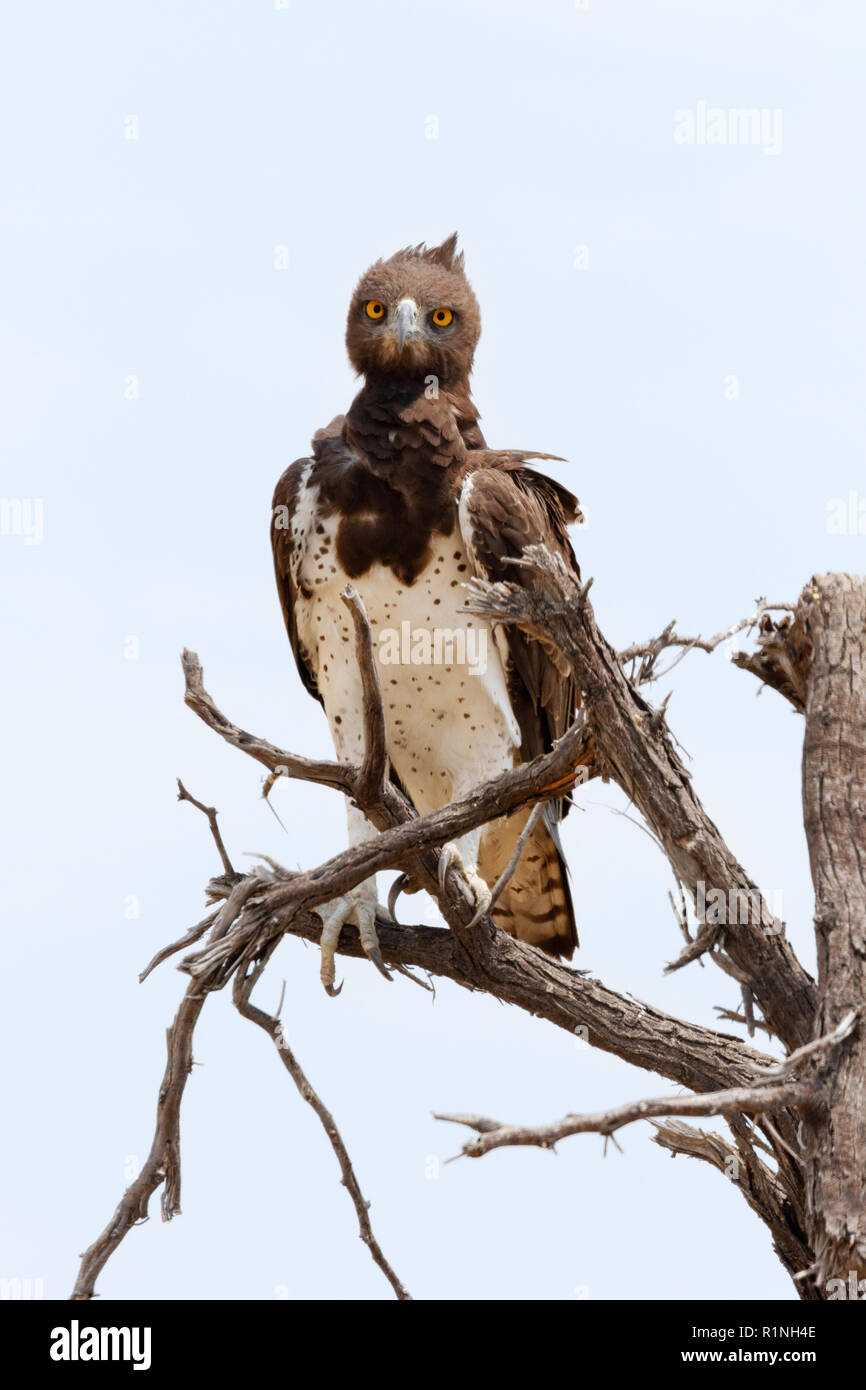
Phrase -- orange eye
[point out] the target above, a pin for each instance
(375, 310)
(442, 317)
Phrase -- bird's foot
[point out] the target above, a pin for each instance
(355, 906)
(450, 857)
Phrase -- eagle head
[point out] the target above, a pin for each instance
(415, 314)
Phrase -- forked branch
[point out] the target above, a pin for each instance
(750, 1100)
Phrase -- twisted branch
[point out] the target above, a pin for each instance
(632, 745)
(752, 1100)
(648, 653)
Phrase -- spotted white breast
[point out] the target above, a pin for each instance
(448, 717)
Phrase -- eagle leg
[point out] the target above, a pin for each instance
(355, 906)
(451, 857)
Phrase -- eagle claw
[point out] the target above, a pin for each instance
(402, 884)
(450, 857)
(375, 955)
(355, 906)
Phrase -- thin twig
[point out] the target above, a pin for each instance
(649, 651)
(751, 1099)
(273, 1027)
(486, 909)
(810, 1050)
(194, 934)
(210, 812)
(732, 1016)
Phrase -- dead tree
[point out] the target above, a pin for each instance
(797, 1125)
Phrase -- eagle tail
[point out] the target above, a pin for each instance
(536, 904)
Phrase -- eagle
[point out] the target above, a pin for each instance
(402, 499)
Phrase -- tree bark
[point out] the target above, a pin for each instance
(633, 746)
(832, 611)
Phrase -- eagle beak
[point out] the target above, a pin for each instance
(405, 321)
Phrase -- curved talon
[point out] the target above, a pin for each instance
(375, 955)
(447, 856)
(397, 887)
(357, 906)
(483, 909)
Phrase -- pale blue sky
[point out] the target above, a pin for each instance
(306, 128)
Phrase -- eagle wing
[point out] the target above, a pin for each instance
(505, 507)
(288, 542)
(293, 518)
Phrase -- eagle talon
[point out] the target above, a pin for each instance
(355, 906)
(375, 955)
(401, 884)
(450, 857)
(447, 856)
(483, 910)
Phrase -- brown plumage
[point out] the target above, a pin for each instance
(403, 498)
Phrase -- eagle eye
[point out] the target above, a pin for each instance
(442, 317)
(375, 309)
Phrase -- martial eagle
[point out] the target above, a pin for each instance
(402, 498)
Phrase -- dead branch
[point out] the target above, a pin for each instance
(774, 1089)
(782, 660)
(210, 812)
(700, 1058)
(504, 878)
(636, 751)
(766, 1192)
(648, 653)
(411, 838)
(810, 1051)
(194, 934)
(163, 1161)
(271, 1025)
(732, 1016)
(526, 783)
(752, 1100)
(276, 760)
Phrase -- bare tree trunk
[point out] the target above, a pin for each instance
(833, 614)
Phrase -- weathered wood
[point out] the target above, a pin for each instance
(832, 613)
(782, 659)
(632, 745)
